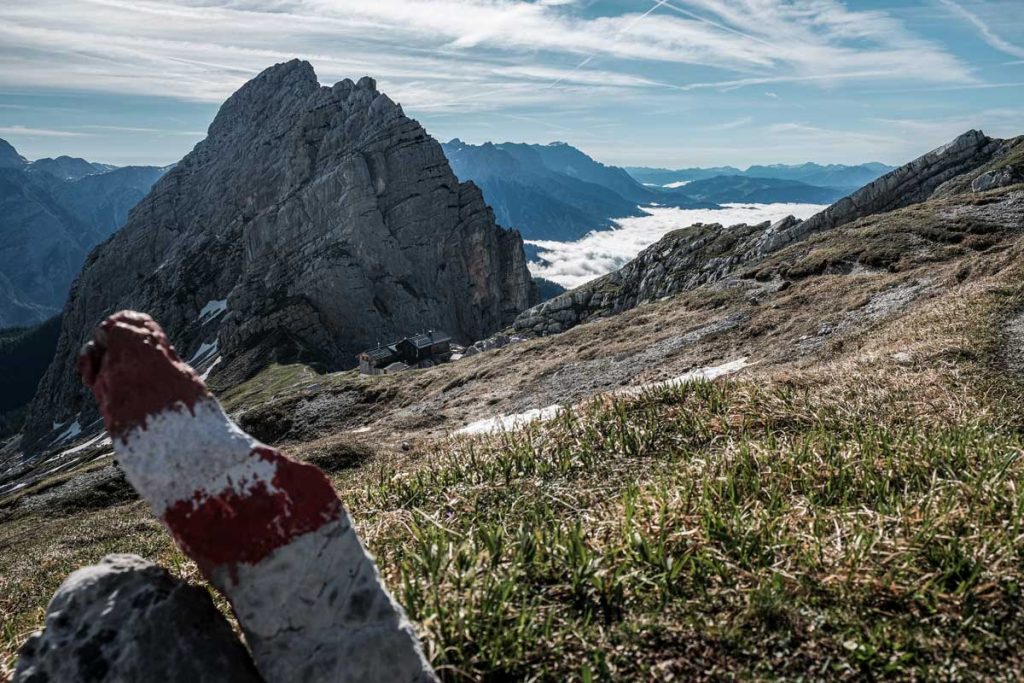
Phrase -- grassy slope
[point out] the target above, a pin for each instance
(854, 514)
(860, 518)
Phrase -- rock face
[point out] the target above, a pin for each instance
(1003, 177)
(692, 256)
(309, 224)
(127, 619)
(49, 220)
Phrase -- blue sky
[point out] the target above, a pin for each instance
(645, 82)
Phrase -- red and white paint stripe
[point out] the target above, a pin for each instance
(268, 531)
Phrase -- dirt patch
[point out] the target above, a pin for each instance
(96, 489)
(334, 455)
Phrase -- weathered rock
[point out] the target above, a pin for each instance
(991, 180)
(268, 531)
(322, 218)
(127, 619)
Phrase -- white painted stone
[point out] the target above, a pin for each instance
(181, 452)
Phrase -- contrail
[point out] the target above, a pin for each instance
(987, 34)
(625, 29)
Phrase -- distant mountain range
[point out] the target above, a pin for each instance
(554, 191)
(837, 176)
(725, 189)
(52, 212)
(557, 192)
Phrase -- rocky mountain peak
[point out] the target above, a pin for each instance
(9, 157)
(971, 139)
(311, 223)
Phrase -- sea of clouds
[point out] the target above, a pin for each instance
(570, 264)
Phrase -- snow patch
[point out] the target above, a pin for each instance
(203, 353)
(707, 373)
(4, 490)
(73, 430)
(208, 370)
(504, 423)
(678, 183)
(102, 439)
(212, 309)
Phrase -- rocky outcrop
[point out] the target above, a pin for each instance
(311, 222)
(680, 260)
(687, 258)
(127, 619)
(991, 180)
(909, 184)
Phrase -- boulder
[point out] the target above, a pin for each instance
(991, 180)
(126, 619)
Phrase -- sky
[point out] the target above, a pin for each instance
(668, 83)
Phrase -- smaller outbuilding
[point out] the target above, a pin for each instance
(376, 361)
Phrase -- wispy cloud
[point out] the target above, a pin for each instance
(987, 33)
(742, 122)
(39, 132)
(427, 52)
(997, 122)
(145, 130)
(630, 79)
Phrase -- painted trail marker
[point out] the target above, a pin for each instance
(268, 531)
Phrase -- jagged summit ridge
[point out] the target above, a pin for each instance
(322, 217)
(908, 184)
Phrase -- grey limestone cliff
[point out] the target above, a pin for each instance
(311, 223)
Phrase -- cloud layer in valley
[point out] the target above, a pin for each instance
(571, 264)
